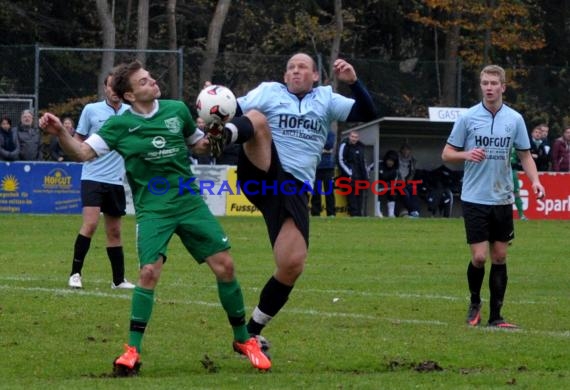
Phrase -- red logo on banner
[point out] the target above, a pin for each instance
(556, 203)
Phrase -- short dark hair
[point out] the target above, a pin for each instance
(122, 73)
(7, 119)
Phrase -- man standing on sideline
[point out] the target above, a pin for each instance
(153, 137)
(324, 180)
(353, 166)
(482, 138)
(102, 191)
(299, 117)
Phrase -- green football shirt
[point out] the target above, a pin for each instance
(156, 157)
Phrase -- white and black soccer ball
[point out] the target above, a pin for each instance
(216, 103)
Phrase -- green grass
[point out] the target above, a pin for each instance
(378, 298)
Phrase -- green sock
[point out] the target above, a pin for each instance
(519, 204)
(232, 302)
(141, 309)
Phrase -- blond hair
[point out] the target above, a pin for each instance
(495, 70)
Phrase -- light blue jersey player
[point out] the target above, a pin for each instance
(299, 127)
(482, 138)
(283, 154)
(490, 181)
(110, 168)
(102, 191)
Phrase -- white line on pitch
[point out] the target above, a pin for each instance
(335, 293)
(68, 291)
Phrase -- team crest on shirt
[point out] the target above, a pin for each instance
(174, 125)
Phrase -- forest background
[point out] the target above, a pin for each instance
(412, 54)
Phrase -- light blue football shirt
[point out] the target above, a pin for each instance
(299, 127)
(490, 181)
(109, 168)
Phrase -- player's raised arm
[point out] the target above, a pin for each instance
(76, 150)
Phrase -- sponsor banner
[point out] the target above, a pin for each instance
(212, 180)
(40, 188)
(236, 201)
(556, 203)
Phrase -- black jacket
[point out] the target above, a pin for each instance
(351, 160)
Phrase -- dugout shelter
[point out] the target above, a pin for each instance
(426, 136)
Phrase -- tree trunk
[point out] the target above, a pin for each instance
(142, 29)
(213, 43)
(172, 45)
(108, 33)
(449, 97)
(335, 48)
(491, 5)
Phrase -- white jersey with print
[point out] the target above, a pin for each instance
(299, 127)
(489, 182)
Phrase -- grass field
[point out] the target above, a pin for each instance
(381, 305)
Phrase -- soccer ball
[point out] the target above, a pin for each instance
(216, 103)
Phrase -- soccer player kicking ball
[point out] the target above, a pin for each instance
(483, 138)
(153, 137)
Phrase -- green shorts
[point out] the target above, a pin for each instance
(198, 229)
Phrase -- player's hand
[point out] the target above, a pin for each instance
(50, 123)
(344, 71)
(538, 190)
(215, 128)
(215, 134)
(476, 155)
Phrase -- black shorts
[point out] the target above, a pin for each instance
(110, 198)
(488, 223)
(282, 200)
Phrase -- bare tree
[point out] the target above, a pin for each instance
(108, 32)
(449, 97)
(213, 42)
(172, 45)
(335, 48)
(142, 29)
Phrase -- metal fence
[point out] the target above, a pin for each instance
(400, 88)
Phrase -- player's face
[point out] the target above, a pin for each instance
(300, 74)
(145, 88)
(492, 89)
(109, 93)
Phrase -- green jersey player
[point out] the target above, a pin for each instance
(153, 137)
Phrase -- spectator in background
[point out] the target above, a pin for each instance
(29, 137)
(538, 148)
(205, 159)
(55, 150)
(352, 166)
(407, 167)
(324, 180)
(545, 140)
(561, 152)
(9, 145)
(388, 172)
